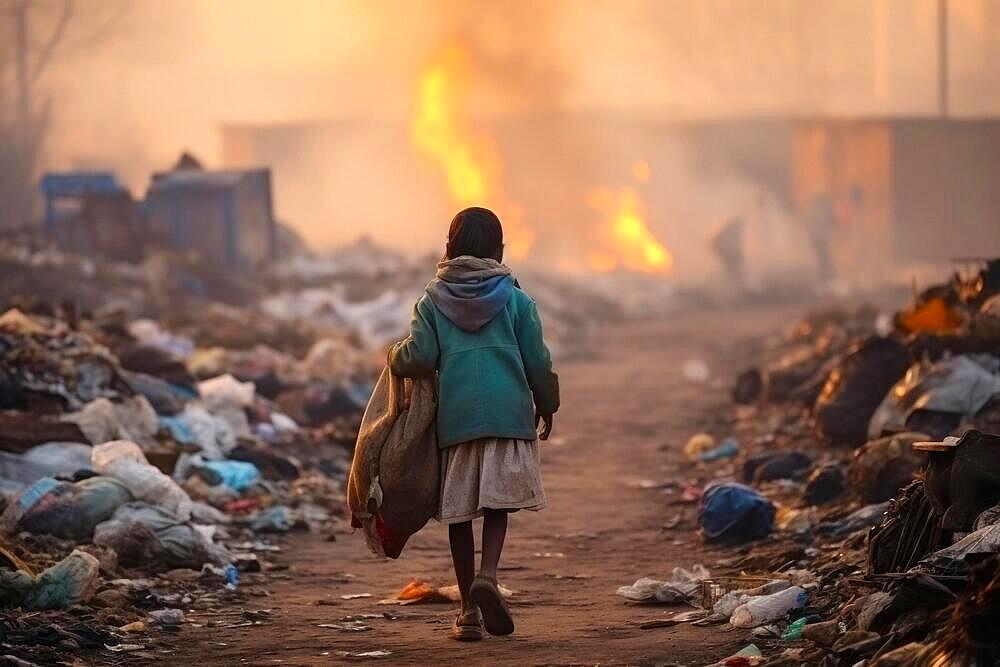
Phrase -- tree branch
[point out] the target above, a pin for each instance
(45, 54)
(116, 15)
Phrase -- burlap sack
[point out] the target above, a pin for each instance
(394, 484)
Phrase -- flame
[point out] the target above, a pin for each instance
(470, 160)
(626, 240)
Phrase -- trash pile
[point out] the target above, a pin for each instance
(857, 482)
(162, 426)
(155, 443)
(142, 473)
(371, 291)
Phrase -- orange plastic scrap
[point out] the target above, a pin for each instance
(417, 590)
(933, 316)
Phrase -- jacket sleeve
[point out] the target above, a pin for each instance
(537, 360)
(417, 354)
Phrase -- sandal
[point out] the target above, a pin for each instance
(468, 627)
(496, 616)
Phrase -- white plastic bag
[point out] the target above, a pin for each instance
(684, 586)
(124, 461)
(101, 420)
(226, 391)
(213, 434)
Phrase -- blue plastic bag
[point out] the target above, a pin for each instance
(734, 512)
(179, 429)
(237, 475)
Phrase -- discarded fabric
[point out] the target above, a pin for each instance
(734, 512)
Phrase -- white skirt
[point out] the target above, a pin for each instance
(491, 473)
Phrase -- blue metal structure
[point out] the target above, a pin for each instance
(58, 187)
(224, 215)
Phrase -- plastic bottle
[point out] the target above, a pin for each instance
(767, 608)
(794, 630)
(232, 576)
(728, 448)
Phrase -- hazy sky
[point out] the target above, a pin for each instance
(171, 73)
(181, 67)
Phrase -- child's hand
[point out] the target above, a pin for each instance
(544, 433)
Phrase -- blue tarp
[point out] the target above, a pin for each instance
(731, 511)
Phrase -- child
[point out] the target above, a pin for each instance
(482, 334)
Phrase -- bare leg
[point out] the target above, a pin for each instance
(494, 532)
(463, 555)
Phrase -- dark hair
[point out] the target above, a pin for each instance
(477, 232)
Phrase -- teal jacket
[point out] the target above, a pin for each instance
(491, 380)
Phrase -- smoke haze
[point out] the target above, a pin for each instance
(573, 92)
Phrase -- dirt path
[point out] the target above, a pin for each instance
(626, 413)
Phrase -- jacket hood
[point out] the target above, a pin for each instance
(471, 291)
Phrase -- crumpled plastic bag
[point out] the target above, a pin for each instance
(283, 423)
(165, 398)
(134, 543)
(15, 468)
(861, 519)
(46, 460)
(70, 581)
(124, 461)
(195, 425)
(683, 587)
(377, 321)
(734, 512)
(227, 398)
(101, 421)
(226, 391)
(237, 475)
(64, 457)
(149, 332)
(277, 519)
(960, 385)
(180, 543)
(63, 509)
(983, 541)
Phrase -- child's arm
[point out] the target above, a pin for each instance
(417, 354)
(537, 361)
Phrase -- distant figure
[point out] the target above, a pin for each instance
(727, 243)
(821, 222)
(482, 335)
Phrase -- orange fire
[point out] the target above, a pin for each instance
(640, 169)
(470, 160)
(625, 240)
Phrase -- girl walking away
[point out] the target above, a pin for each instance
(482, 335)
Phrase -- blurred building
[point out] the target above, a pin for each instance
(909, 189)
(905, 188)
(223, 216)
